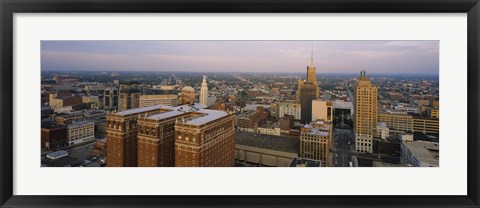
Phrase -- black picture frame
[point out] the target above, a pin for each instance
(10, 7)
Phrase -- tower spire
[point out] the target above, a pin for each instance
(311, 58)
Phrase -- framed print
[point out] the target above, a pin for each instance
(247, 104)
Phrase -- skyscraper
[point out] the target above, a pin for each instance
(307, 91)
(366, 104)
(204, 92)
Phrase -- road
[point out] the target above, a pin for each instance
(341, 148)
(343, 151)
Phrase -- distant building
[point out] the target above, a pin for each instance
(206, 138)
(110, 98)
(166, 99)
(399, 121)
(67, 118)
(204, 92)
(322, 110)
(53, 136)
(420, 154)
(315, 141)
(426, 125)
(57, 101)
(251, 119)
(187, 96)
(343, 107)
(294, 109)
(160, 90)
(366, 101)
(80, 132)
(129, 98)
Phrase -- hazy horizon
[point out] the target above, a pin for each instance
(330, 57)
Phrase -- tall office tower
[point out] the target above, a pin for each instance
(204, 92)
(156, 138)
(308, 90)
(205, 139)
(366, 107)
(315, 139)
(110, 98)
(121, 130)
(129, 98)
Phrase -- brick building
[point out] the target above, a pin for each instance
(122, 136)
(156, 139)
(100, 147)
(53, 136)
(206, 138)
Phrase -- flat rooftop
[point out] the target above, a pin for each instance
(80, 123)
(164, 115)
(279, 143)
(139, 110)
(342, 104)
(385, 164)
(207, 116)
(303, 162)
(183, 108)
(425, 151)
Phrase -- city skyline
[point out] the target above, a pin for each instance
(347, 57)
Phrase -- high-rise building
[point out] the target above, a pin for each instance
(205, 139)
(166, 99)
(308, 90)
(315, 139)
(110, 98)
(366, 107)
(122, 135)
(204, 92)
(128, 98)
(322, 110)
(156, 138)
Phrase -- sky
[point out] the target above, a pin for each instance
(381, 57)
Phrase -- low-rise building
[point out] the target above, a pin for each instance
(290, 108)
(167, 99)
(80, 132)
(53, 136)
(265, 150)
(420, 154)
